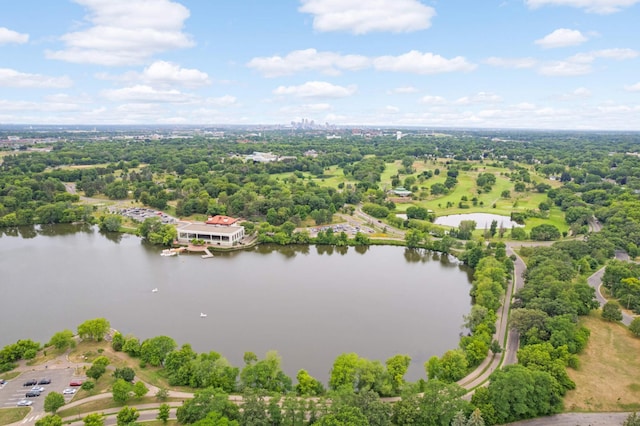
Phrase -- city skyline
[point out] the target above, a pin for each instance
(535, 64)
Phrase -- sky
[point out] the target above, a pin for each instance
(532, 64)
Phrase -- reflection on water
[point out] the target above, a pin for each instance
(310, 303)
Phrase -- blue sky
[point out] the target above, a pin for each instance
(539, 64)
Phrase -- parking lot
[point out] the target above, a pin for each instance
(14, 390)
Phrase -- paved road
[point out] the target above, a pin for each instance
(595, 281)
(576, 419)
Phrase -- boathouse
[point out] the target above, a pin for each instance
(217, 230)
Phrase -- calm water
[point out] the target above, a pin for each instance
(483, 220)
(308, 303)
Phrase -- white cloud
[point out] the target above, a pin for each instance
(422, 63)
(167, 73)
(226, 100)
(433, 100)
(561, 37)
(479, 98)
(9, 36)
(511, 62)
(403, 90)
(618, 54)
(633, 87)
(361, 17)
(308, 60)
(13, 78)
(316, 89)
(580, 63)
(146, 94)
(390, 109)
(579, 93)
(564, 68)
(593, 6)
(125, 32)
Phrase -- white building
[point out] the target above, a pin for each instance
(227, 236)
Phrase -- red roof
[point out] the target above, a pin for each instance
(221, 220)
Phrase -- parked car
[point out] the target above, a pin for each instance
(24, 403)
(2, 381)
(30, 382)
(44, 382)
(32, 394)
(37, 389)
(76, 383)
(69, 391)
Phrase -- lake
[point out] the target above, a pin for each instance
(482, 220)
(310, 303)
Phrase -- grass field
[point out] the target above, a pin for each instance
(609, 375)
(12, 415)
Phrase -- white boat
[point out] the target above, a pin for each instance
(203, 315)
(155, 290)
(168, 252)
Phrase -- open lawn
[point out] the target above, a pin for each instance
(108, 404)
(609, 375)
(487, 202)
(88, 351)
(12, 415)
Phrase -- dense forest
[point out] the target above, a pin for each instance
(581, 190)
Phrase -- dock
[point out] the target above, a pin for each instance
(207, 254)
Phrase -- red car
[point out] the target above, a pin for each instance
(76, 383)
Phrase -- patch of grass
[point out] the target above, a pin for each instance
(108, 404)
(12, 415)
(10, 375)
(609, 368)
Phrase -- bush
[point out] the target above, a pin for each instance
(88, 385)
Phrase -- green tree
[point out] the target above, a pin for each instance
(346, 416)
(95, 419)
(53, 401)
(204, 402)
(127, 416)
(96, 371)
(163, 413)
(413, 238)
(453, 366)
(125, 373)
(140, 389)
(110, 223)
(94, 329)
(611, 311)
(437, 405)
(397, 367)
(121, 391)
(634, 327)
(266, 374)
(50, 420)
(308, 385)
(216, 419)
(545, 232)
(343, 373)
(516, 392)
(62, 340)
(155, 350)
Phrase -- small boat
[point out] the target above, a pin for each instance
(168, 252)
(203, 315)
(155, 290)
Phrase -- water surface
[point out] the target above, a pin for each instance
(308, 303)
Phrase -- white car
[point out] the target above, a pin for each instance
(24, 403)
(68, 391)
(37, 389)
